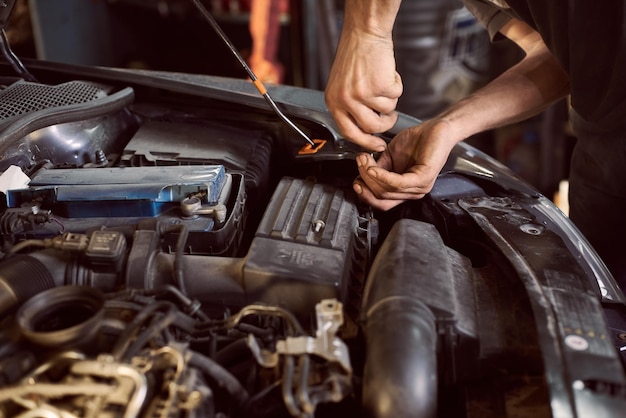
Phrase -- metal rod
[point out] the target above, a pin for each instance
(257, 83)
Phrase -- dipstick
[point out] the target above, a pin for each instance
(257, 83)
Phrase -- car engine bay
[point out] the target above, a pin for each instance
(174, 253)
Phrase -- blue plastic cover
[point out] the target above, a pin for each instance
(127, 191)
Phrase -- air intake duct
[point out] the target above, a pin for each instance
(418, 300)
(21, 277)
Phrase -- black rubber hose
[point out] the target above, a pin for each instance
(400, 376)
(21, 277)
(179, 269)
(125, 340)
(158, 324)
(233, 353)
(220, 376)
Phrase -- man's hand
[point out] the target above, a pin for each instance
(408, 168)
(364, 86)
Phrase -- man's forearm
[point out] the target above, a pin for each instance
(375, 17)
(519, 93)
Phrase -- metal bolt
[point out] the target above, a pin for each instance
(101, 157)
(318, 225)
(532, 229)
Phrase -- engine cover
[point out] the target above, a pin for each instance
(302, 251)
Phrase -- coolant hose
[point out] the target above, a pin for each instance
(21, 277)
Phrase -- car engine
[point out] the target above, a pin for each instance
(171, 250)
(148, 271)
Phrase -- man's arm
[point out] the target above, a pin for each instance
(410, 165)
(524, 90)
(363, 87)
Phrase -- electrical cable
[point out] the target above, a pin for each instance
(13, 60)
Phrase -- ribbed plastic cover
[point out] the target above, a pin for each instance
(23, 97)
(304, 247)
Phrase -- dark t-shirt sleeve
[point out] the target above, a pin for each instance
(491, 16)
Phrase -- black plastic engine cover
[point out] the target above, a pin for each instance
(302, 251)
